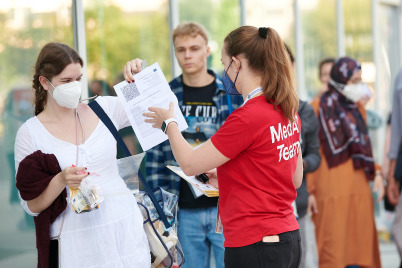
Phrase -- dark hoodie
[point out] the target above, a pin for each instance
(310, 151)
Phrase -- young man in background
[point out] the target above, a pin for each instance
(205, 106)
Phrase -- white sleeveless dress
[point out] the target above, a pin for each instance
(113, 235)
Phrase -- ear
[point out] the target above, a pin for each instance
(237, 64)
(208, 51)
(43, 81)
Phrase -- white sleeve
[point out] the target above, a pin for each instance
(114, 109)
(23, 147)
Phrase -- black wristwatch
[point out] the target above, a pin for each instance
(165, 124)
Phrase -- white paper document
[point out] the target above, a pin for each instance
(150, 89)
(205, 188)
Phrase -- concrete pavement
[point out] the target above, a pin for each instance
(18, 250)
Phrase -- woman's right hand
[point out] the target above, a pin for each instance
(312, 205)
(72, 176)
(132, 67)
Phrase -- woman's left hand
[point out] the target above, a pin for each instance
(378, 186)
(158, 115)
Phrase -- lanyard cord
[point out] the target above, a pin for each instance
(77, 119)
(252, 94)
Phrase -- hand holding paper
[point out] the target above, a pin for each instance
(158, 115)
(206, 188)
(133, 67)
(150, 89)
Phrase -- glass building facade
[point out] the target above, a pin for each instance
(108, 33)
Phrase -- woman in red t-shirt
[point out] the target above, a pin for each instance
(256, 152)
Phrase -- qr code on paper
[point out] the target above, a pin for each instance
(130, 91)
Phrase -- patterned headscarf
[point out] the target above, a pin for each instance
(343, 132)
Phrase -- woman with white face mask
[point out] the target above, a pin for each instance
(63, 145)
(340, 196)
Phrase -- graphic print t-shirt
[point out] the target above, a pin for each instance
(200, 112)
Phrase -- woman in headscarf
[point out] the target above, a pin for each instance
(340, 194)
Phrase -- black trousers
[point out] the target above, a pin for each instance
(283, 254)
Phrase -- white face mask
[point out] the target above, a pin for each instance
(353, 92)
(67, 95)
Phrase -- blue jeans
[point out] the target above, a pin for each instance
(196, 228)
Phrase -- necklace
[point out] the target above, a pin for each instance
(78, 120)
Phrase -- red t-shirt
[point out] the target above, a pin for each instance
(256, 188)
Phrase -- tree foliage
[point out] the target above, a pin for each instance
(114, 37)
(21, 41)
(218, 17)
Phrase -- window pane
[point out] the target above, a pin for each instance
(25, 26)
(319, 37)
(226, 17)
(358, 30)
(359, 39)
(275, 14)
(389, 64)
(120, 30)
(278, 15)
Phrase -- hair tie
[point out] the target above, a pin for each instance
(263, 32)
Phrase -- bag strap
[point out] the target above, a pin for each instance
(109, 124)
(61, 227)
